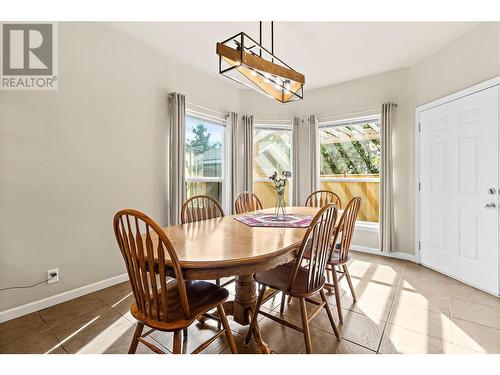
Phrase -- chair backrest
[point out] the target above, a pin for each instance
(321, 234)
(346, 226)
(247, 201)
(140, 239)
(321, 197)
(200, 207)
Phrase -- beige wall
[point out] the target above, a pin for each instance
(471, 58)
(69, 159)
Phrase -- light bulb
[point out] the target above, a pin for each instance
(253, 73)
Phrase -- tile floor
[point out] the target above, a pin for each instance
(402, 308)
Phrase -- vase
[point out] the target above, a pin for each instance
(279, 207)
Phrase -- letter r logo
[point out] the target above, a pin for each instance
(27, 49)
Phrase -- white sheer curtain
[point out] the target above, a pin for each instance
(386, 213)
(247, 176)
(313, 154)
(295, 162)
(177, 133)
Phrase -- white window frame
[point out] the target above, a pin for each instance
(276, 125)
(361, 225)
(225, 157)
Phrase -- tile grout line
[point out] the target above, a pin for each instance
(52, 332)
(390, 310)
(451, 317)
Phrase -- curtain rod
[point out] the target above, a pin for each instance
(207, 109)
(350, 113)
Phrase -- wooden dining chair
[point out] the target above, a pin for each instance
(200, 207)
(337, 264)
(321, 197)
(302, 281)
(163, 303)
(247, 201)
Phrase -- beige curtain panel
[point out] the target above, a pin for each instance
(177, 134)
(313, 157)
(386, 211)
(247, 129)
(295, 161)
(232, 126)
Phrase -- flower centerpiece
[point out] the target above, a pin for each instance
(280, 180)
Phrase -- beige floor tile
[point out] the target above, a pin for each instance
(66, 318)
(119, 297)
(251, 348)
(282, 339)
(425, 287)
(417, 300)
(357, 328)
(476, 337)
(28, 334)
(401, 340)
(326, 343)
(197, 334)
(475, 313)
(463, 292)
(374, 301)
(429, 323)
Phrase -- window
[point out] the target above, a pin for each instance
(349, 162)
(272, 150)
(205, 161)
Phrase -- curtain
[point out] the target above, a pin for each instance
(386, 212)
(177, 135)
(295, 162)
(247, 153)
(232, 126)
(313, 158)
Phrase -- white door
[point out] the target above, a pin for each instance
(459, 188)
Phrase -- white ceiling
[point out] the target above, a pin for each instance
(325, 52)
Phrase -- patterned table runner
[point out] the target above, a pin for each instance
(268, 220)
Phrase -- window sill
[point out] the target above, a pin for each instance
(367, 226)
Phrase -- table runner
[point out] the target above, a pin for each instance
(268, 220)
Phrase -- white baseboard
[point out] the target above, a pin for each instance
(18, 311)
(397, 255)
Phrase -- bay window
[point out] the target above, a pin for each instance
(204, 158)
(349, 165)
(272, 151)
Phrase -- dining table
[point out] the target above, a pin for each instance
(225, 247)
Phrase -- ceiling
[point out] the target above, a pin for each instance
(325, 52)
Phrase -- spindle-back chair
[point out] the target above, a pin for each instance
(321, 197)
(302, 281)
(161, 302)
(247, 201)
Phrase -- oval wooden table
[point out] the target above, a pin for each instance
(224, 247)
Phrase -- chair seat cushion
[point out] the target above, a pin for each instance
(279, 279)
(335, 259)
(202, 297)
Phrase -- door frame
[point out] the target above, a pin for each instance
(418, 139)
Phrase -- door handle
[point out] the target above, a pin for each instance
(492, 191)
(490, 205)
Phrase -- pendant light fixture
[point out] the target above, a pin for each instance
(244, 60)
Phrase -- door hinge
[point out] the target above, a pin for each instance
(419, 127)
(419, 186)
(418, 245)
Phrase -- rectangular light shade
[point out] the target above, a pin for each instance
(245, 61)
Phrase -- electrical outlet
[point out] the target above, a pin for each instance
(53, 279)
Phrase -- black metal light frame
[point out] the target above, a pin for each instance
(239, 41)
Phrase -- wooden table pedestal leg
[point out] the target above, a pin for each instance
(244, 305)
